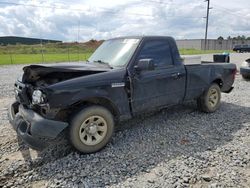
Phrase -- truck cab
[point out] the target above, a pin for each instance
(157, 75)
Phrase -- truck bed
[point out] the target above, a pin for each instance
(201, 75)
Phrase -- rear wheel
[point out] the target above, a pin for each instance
(209, 101)
(91, 129)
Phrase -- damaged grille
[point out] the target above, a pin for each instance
(22, 93)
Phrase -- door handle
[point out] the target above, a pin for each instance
(176, 75)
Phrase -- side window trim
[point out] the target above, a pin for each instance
(172, 54)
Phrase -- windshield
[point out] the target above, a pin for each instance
(115, 52)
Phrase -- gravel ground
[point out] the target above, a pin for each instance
(176, 147)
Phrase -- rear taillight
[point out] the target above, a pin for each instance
(234, 73)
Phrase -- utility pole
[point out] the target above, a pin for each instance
(78, 35)
(208, 8)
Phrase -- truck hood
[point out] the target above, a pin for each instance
(52, 73)
(75, 66)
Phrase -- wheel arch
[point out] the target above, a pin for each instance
(101, 101)
(218, 81)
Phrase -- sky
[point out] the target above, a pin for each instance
(82, 20)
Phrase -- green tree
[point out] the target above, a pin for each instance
(220, 38)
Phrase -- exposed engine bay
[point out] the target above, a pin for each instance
(38, 75)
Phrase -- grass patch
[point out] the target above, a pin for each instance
(62, 52)
(49, 48)
(196, 52)
(38, 58)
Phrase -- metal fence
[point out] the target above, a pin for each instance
(212, 44)
(47, 52)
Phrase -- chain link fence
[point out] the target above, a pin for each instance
(47, 52)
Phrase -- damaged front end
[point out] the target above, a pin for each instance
(31, 115)
(38, 75)
(35, 130)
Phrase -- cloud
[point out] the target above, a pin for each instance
(94, 19)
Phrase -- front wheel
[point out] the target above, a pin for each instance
(91, 129)
(209, 101)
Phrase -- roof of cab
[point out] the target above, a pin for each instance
(143, 37)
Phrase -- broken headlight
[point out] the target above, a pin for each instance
(37, 97)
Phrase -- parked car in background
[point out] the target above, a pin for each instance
(124, 77)
(241, 48)
(245, 69)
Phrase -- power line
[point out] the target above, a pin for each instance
(158, 2)
(105, 10)
(242, 17)
(162, 2)
(36, 6)
(230, 11)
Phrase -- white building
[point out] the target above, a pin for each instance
(212, 44)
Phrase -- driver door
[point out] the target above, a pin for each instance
(163, 86)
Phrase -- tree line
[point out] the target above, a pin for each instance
(242, 37)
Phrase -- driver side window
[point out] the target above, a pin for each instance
(157, 50)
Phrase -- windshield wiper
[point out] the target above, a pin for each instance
(102, 62)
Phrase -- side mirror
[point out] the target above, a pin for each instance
(144, 64)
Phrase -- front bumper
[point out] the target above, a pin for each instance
(35, 130)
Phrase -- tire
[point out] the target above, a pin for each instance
(91, 129)
(209, 101)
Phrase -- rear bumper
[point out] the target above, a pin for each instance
(34, 130)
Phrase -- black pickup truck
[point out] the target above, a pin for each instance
(124, 77)
(242, 48)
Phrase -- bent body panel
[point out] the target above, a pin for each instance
(33, 128)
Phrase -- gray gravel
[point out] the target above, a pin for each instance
(176, 147)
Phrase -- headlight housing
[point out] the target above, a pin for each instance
(37, 97)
